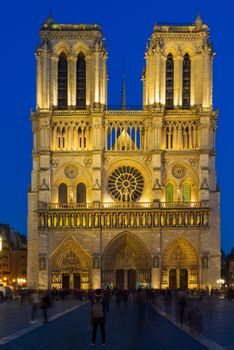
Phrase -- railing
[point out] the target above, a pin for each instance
(115, 218)
(125, 205)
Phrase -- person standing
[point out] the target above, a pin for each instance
(35, 300)
(98, 316)
(45, 304)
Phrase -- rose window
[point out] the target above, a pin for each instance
(126, 184)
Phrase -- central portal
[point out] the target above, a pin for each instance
(126, 262)
(125, 279)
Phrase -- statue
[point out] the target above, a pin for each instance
(96, 262)
(156, 261)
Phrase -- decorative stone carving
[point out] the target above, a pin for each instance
(54, 163)
(205, 262)
(71, 171)
(42, 264)
(192, 162)
(96, 263)
(178, 171)
(147, 160)
(87, 162)
(156, 261)
(126, 184)
(44, 186)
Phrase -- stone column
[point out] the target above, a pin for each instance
(39, 79)
(163, 81)
(54, 81)
(96, 278)
(155, 277)
(178, 74)
(44, 96)
(72, 81)
(157, 76)
(97, 77)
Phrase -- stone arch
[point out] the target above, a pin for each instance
(68, 245)
(180, 252)
(126, 252)
(61, 47)
(81, 47)
(180, 258)
(188, 48)
(172, 48)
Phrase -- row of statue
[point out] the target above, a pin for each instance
(172, 219)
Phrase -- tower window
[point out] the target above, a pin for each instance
(169, 193)
(186, 82)
(169, 81)
(81, 82)
(62, 193)
(62, 81)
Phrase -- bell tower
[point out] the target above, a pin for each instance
(71, 66)
(178, 72)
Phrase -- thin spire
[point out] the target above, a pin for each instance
(123, 91)
(50, 19)
(198, 20)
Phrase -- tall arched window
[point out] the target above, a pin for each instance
(81, 193)
(62, 81)
(81, 82)
(186, 193)
(169, 81)
(169, 193)
(62, 193)
(186, 82)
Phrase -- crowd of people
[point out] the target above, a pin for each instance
(187, 307)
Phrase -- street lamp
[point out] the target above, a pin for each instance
(220, 282)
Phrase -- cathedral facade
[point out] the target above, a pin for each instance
(123, 197)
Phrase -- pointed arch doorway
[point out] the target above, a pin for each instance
(70, 266)
(180, 265)
(126, 262)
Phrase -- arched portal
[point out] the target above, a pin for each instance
(70, 266)
(180, 265)
(126, 262)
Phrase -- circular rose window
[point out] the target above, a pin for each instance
(126, 184)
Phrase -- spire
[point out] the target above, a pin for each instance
(50, 19)
(123, 91)
(198, 21)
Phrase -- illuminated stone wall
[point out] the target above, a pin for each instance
(126, 159)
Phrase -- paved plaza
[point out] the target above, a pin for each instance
(126, 329)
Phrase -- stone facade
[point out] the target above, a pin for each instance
(124, 197)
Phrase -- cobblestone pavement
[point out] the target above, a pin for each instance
(214, 317)
(125, 331)
(14, 316)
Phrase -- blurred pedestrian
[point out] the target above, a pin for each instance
(35, 301)
(98, 316)
(45, 304)
(182, 305)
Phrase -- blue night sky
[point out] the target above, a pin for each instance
(126, 25)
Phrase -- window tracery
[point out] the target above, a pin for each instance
(126, 184)
(62, 81)
(169, 81)
(169, 193)
(186, 82)
(81, 81)
(62, 193)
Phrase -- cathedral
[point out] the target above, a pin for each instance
(118, 197)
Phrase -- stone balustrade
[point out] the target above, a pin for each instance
(126, 217)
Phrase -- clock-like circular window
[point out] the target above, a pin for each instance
(126, 184)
